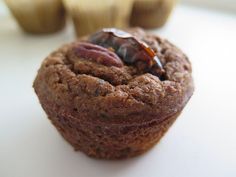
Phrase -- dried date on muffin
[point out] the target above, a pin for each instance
(129, 48)
(114, 94)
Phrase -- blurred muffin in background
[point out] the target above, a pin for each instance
(151, 13)
(88, 15)
(38, 16)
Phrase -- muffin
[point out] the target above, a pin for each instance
(88, 15)
(114, 94)
(151, 13)
(38, 16)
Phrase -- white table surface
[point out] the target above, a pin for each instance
(201, 143)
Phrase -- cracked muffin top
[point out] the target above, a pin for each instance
(117, 76)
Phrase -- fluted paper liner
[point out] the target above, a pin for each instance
(89, 15)
(151, 13)
(38, 16)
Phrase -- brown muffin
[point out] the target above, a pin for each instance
(151, 13)
(109, 96)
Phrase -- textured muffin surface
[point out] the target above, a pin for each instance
(110, 111)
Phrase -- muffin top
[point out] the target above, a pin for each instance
(118, 77)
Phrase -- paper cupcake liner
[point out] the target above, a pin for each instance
(88, 16)
(151, 13)
(38, 16)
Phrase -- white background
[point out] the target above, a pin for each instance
(227, 5)
(201, 143)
